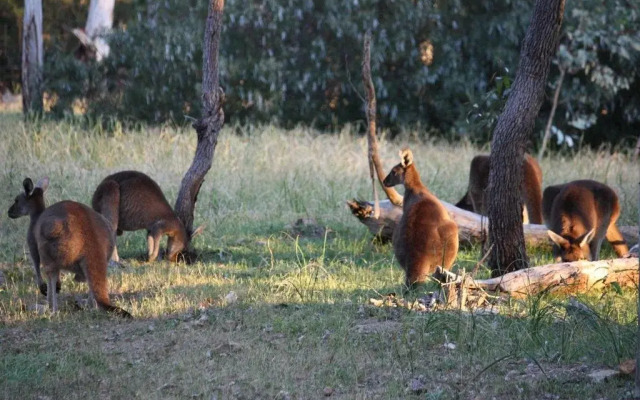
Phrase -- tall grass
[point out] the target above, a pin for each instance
(296, 328)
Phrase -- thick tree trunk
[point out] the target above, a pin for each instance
(32, 57)
(99, 22)
(472, 227)
(209, 125)
(510, 137)
(374, 157)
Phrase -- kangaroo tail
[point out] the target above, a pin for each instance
(115, 310)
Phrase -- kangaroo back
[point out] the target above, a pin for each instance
(475, 197)
(426, 236)
(579, 215)
(73, 237)
(131, 200)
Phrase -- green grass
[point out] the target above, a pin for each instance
(302, 321)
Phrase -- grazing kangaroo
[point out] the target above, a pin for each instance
(426, 236)
(66, 236)
(474, 199)
(131, 200)
(579, 215)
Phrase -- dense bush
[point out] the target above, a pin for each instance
(444, 65)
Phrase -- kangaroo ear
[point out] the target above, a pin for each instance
(27, 184)
(588, 237)
(43, 184)
(557, 239)
(197, 231)
(406, 158)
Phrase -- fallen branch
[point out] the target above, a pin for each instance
(575, 277)
(472, 227)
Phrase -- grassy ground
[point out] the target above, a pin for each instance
(275, 310)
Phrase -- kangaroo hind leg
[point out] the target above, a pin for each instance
(96, 271)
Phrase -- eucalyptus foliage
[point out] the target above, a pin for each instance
(445, 65)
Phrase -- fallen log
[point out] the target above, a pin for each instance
(472, 227)
(574, 277)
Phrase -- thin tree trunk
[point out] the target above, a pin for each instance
(552, 114)
(374, 157)
(99, 23)
(510, 136)
(32, 57)
(209, 125)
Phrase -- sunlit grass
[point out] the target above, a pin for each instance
(267, 313)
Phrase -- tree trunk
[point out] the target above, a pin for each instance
(374, 157)
(99, 22)
(209, 125)
(510, 136)
(32, 57)
(472, 227)
(552, 114)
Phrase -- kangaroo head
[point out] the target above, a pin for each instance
(178, 244)
(396, 175)
(567, 249)
(30, 200)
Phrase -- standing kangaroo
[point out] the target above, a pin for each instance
(474, 200)
(66, 236)
(131, 200)
(426, 236)
(579, 215)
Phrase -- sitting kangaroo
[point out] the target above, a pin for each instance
(579, 215)
(131, 200)
(426, 236)
(474, 199)
(66, 236)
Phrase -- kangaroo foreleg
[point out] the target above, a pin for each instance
(154, 236)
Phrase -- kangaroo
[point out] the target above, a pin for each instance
(66, 236)
(579, 215)
(131, 200)
(474, 198)
(426, 236)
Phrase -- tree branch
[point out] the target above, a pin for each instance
(374, 157)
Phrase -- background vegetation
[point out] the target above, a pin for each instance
(441, 66)
(299, 321)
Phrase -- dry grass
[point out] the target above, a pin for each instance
(302, 322)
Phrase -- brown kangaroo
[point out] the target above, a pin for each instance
(579, 215)
(426, 236)
(66, 236)
(131, 200)
(474, 199)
